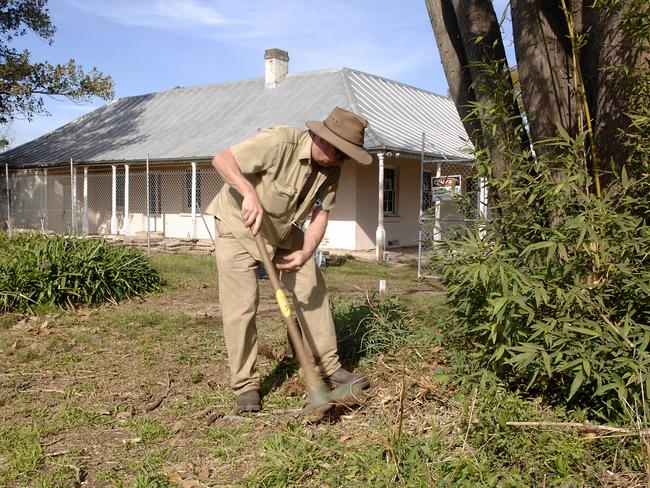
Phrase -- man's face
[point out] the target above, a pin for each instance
(325, 154)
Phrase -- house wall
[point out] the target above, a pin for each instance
(174, 218)
(401, 229)
(341, 229)
(44, 202)
(39, 202)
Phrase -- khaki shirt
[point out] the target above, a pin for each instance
(277, 161)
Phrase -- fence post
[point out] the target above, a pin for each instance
(483, 202)
(85, 229)
(114, 200)
(148, 208)
(127, 226)
(46, 222)
(73, 197)
(380, 234)
(437, 226)
(8, 199)
(193, 200)
(421, 207)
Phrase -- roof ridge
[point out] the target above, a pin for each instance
(354, 102)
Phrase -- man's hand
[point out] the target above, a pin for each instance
(292, 262)
(252, 212)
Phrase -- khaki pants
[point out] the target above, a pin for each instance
(239, 298)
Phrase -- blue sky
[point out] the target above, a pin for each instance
(155, 45)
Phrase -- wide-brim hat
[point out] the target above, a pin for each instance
(345, 131)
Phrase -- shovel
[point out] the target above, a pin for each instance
(321, 398)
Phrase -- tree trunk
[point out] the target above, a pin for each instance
(454, 62)
(469, 39)
(544, 62)
(611, 95)
(552, 94)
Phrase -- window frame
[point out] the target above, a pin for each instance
(394, 191)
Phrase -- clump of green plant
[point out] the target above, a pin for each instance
(369, 327)
(557, 295)
(38, 271)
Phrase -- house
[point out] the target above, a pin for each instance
(141, 164)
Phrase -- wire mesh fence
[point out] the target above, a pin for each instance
(144, 200)
(453, 197)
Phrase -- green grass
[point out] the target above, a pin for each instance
(21, 449)
(182, 271)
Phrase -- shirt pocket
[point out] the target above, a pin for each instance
(279, 198)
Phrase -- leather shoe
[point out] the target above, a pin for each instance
(249, 401)
(342, 376)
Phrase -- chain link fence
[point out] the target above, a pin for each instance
(146, 201)
(453, 197)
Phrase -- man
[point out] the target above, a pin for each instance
(274, 181)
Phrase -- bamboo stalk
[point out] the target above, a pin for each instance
(579, 86)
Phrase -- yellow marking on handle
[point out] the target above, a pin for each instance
(283, 303)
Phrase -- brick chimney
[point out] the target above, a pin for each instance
(276, 67)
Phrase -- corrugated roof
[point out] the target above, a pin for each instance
(195, 123)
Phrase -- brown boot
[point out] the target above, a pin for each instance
(249, 401)
(342, 376)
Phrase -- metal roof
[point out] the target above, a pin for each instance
(197, 122)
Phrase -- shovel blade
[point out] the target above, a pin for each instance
(320, 401)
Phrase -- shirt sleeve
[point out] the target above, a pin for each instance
(256, 154)
(327, 191)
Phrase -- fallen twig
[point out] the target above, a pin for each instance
(204, 412)
(584, 427)
(49, 390)
(156, 403)
(56, 453)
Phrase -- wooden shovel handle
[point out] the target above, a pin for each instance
(314, 380)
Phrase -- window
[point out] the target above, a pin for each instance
(154, 193)
(390, 191)
(187, 207)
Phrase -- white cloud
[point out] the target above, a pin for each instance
(154, 13)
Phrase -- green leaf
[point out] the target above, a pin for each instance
(586, 367)
(499, 352)
(577, 382)
(547, 363)
(583, 330)
(538, 245)
(498, 304)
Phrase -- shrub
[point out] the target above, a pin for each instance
(64, 271)
(555, 292)
(369, 327)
